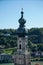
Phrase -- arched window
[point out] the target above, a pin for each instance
(20, 46)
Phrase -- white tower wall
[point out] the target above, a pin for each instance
(22, 56)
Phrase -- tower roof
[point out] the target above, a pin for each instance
(22, 21)
(21, 31)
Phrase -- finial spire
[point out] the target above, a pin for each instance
(22, 21)
(22, 13)
(22, 9)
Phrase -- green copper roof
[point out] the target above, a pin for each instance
(21, 31)
(22, 21)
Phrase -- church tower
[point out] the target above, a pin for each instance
(22, 55)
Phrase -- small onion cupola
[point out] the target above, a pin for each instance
(21, 31)
(22, 21)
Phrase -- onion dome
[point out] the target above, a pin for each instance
(22, 21)
(21, 31)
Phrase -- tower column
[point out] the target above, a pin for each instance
(22, 55)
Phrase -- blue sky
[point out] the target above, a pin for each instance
(10, 13)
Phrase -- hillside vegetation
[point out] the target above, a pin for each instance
(8, 39)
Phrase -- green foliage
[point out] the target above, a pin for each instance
(36, 35)
(35, 38)
(32, 46)
(40, 47)
(8, 50)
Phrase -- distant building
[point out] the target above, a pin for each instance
(2, 46)
(5, 58)
(6, 35)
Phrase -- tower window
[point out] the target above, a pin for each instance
(20, 41)
(20, 46)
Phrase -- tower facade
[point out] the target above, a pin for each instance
(22, 55)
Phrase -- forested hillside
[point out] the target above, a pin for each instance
(35, 38)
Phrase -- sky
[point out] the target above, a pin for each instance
(10, 12)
